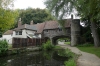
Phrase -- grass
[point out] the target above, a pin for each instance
(67, 42)
(72, 60)
(57, 47)
(9, 46)
(90, 49)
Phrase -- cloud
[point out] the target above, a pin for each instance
(23, 4)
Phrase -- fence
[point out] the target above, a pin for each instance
(26, 42)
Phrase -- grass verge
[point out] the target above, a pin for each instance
(67, 42)
(72, 60)
(90, 49)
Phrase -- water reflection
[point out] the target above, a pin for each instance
(50, 58)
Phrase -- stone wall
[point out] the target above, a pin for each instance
(75, 32)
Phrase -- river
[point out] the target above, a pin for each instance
(37, 58)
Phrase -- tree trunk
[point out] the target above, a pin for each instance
(95, 34)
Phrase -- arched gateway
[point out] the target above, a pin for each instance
(72, 30)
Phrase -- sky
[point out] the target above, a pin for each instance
(23, 4)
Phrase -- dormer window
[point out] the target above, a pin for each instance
(18, 32)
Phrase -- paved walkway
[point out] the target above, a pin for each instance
(85, 59)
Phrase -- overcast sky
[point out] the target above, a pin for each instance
(23, 4)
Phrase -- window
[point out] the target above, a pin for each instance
(20, 32)
(46, 30)
(16, 32)
(60, 29)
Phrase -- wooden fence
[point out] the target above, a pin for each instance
(26, 42)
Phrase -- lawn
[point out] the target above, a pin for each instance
(91, 49)
(67, 42)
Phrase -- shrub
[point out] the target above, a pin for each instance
(3, 47)
(70, 62)
(47, 46)
(72, 58)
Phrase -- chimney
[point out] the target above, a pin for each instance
(19, 22)
(31, 23)
(71, 16)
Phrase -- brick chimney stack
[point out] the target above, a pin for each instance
(19, 22)
(31, 23)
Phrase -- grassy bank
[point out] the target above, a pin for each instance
(65, 53)
(72, 60)
(90, 49)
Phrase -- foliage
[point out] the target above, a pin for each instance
(10, 46)
(72, 56)
(85, 45)
(37, 15)
(70, 62)
(57, 47)
(47, 46)
(90, 49)
(7, 16)
(67, 42)
(62, 39)
(3, 47)
(60, 8)
(88, 10)
(6, 4)
(47, 54)
(7, 19)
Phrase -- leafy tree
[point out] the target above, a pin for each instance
(6, 4)
(7, 16)
(37, 15)
(7, 19)
(87, 9)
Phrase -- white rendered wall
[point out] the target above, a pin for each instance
(20, 36)
(8, 38)
(24, 33)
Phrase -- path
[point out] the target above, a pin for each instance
(85, 59)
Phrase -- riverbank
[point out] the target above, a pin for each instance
(22, 50)
(85, 59)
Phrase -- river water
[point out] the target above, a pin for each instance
(39, 58)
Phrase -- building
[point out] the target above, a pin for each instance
(48, 29)
(8, 36)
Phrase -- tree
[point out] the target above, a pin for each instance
(7, 16)
(5, 4)
(88, 9)
(37, 15)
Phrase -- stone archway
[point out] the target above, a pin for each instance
(54, 39)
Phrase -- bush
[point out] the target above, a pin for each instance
(3, 47)
(47, 46)
(72, 58)
(70, 62)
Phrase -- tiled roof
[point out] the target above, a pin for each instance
(40, 27)
(67, 22)
(51, 25)
(8, 32)
(26, 26)
(45, 25)
(55, 24)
